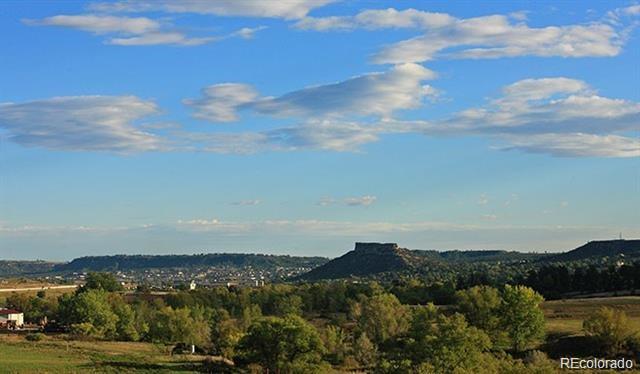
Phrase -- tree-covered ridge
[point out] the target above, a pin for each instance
(8, 267)
(128, 262)
(388, 261)
(601, 248)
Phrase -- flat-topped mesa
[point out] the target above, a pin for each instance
(376, 248)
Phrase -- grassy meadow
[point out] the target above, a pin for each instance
(564, 317)
(54, 355)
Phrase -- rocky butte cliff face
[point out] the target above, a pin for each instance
(366, 259)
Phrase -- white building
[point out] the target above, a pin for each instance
(11, 318)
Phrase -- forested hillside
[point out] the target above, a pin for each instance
(129, 262)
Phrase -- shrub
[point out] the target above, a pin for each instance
(610, 328)
(34, 337)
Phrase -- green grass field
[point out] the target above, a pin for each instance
(564, 317)
(59, 356)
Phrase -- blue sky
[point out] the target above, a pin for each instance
(303, 126)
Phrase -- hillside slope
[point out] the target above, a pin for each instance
(601, 248)
(129, 262)
(367, 259)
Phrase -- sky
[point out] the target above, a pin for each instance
(302, 126)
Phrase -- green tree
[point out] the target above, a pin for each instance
(442, 344)
(335, 342)
(90, 309)
(455, 345)
(365, 350)
(225, 333)
(383, 317)
(249, 314)
(126, 325)
(480, 306)
(288, 344)
(102, 281)
(181, 325)
(610, 328)
(521, 316)
(291, 304)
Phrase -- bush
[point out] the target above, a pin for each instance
(610, 328)
(34, 337)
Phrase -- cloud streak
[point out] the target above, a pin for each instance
(375, 94)
(82, 123)
(493, 36)
(135, 31)
(290, 9)
(123, 31)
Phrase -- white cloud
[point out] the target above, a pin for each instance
(159, 38)
(495, 36)
(490, 36)
(548, 105)
(314, 135)
(100, 24)
(483, 200)
(560, 116)
(576, 145)
(221, 101)
(632, 10)
(248, 32)
(81, 123)
(378, 94)
(124, 31)
(247, 202)
(360, 200)
(289, 9)
(617, 15)
(378, 19)
(352, 201)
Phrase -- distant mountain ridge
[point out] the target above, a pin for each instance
(601, 248)
(376, 258)
(366, 259)
(240, 260)
(15, 267)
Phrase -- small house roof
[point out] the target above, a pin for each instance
(9, 311)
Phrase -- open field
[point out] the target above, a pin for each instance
(54, 355)
(31, 288)
(565, 316)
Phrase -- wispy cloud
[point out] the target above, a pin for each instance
(378, 94)
(124, 31)
(290, 9)
(483, 200)
(82, 123)
(560, 116)
(493, 36)
(352, 201)
(360, 200)
(246, 202)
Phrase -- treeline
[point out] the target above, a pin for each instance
(321, 327)
(559, 280)
(14, 268)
